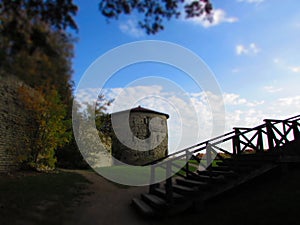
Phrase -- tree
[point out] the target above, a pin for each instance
(19, 17)
(154, 11)
(16, 14)
(35, 47)
(50, 132)
(102, 118)
(70, 156)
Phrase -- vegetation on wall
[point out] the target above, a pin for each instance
(101, 117)
(51, 130)
(35, 47)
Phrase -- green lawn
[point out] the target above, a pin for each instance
(131, 174)
(141, 175)
(193, 165)
(38, 198)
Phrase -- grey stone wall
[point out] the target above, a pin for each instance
(145, 126)
(15, 125)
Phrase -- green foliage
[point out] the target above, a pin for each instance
(16, 15)
(154, 12)
(69, 156)
(49, 114)
(102, 119)
(35, 48)
(18, 20)
(38, 66)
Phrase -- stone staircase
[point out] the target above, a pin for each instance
(192, 188)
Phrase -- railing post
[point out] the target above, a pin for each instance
(187, 163)
(270, 134)
(236, 142)
(260, 142)
(208, 156)
(169, 186)
(296, 130)
(152, 180)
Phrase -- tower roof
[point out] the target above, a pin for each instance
(143, 110)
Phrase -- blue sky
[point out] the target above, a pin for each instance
(252, 47)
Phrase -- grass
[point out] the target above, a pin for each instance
(131, 174)
(38, 198)
(193, 165)
(141, 175)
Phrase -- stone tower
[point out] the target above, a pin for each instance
(148, 136)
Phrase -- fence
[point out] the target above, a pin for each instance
(268, 137)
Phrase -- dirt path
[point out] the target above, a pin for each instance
(108, 204)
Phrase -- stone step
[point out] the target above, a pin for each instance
(183, 190)
(193, 183)
(155, 201)
(236, 168)
(160, 192)
(215, 173)
(258, 157)
(143, 208)
(179, 204)
(249, 163)
(242, 166)
(222, 167)
(208, 179)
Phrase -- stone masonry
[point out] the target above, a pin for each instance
(146, 125)
(15, 126)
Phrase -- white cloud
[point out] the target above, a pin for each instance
(191, 118)
(297, 25)
(255, 103)
(236, 70)
(272, 89)
(277, 61)
(240, 49)
(131, 28)
(183, 115)
(87, 95)
(233, 99)
(285, 107)
(286, 66)
(217, 17)
(295, 69)
(252, 49)
(289, 101)
(252, 1)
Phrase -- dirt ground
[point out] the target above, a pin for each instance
(107, 204)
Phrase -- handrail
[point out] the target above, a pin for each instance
(188, 148)
(285, 119)
(177, 155)
(268, 128)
